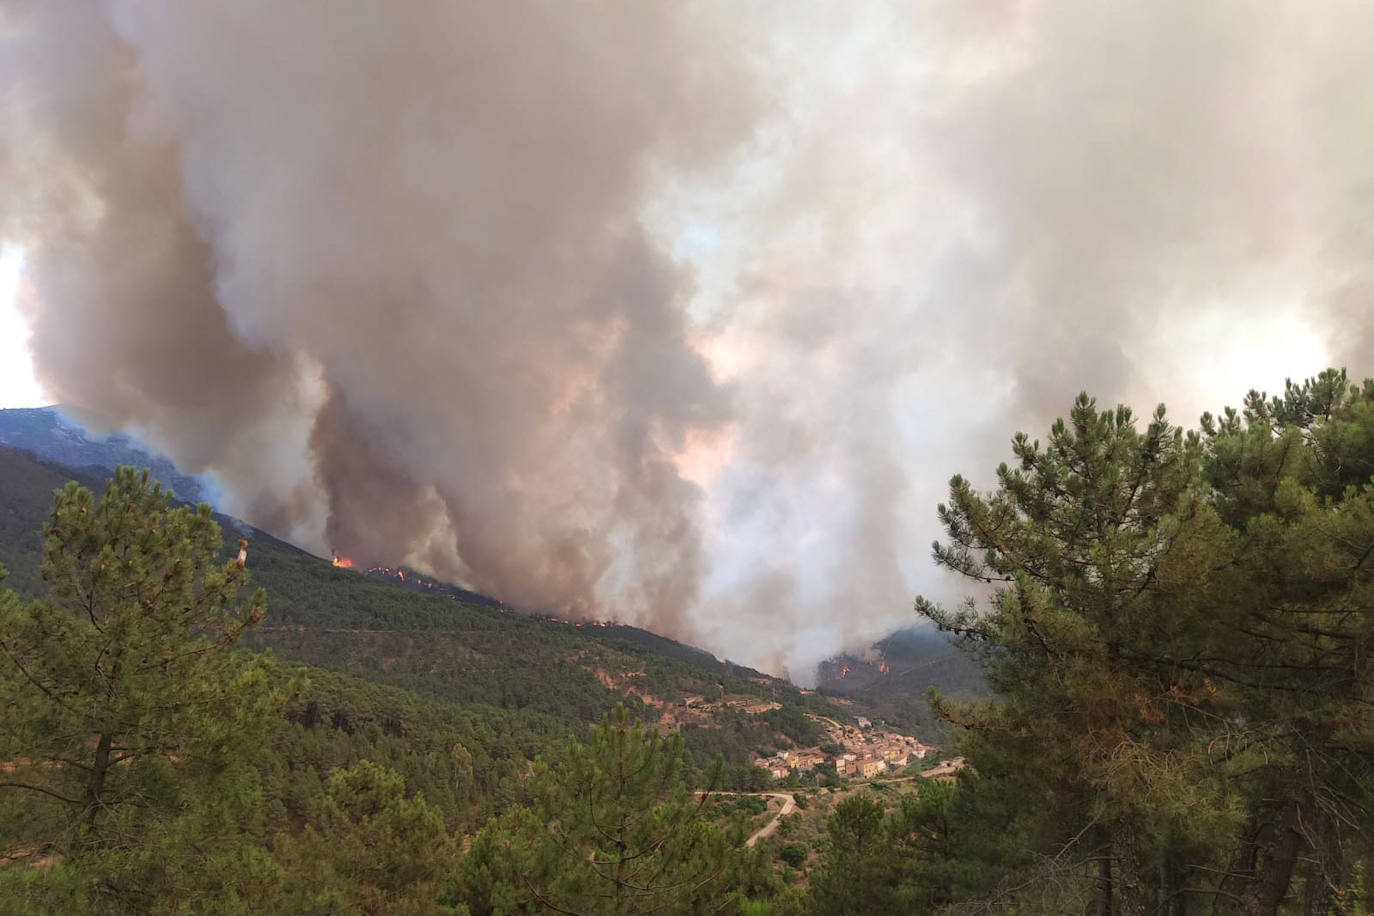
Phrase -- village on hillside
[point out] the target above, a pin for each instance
(858, 750)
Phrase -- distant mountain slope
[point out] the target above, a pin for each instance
(50, 436)
(893, 677)
(460, 651)
(400, 628)
(26, 490)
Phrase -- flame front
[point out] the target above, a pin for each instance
(342, 562)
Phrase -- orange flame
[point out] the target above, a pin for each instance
(342, 562)
(844, 672)
(882, 667)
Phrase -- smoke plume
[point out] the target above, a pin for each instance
(676, 313)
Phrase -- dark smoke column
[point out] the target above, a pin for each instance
(382, 271)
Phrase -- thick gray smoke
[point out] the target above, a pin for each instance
(401, 244)
(677, 313)
(972, 211)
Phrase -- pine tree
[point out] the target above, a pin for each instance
(128, 719)
(1179, 629)
(1095, 545)
(369, 849)
(612, 830)
(912, 860)
(1293, 633)
(859, 873)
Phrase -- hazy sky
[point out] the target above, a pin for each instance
(677, 313)
(18, 388)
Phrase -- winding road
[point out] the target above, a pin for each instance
(788, 806)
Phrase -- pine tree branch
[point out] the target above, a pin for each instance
(31, 788)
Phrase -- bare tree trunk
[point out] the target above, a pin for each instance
(1102, 897)
(1263, 896)
(1133, 897)
(95, 786)
(1164, 893)
(1319, 886)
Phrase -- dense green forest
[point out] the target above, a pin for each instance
(452, 649)
(1177, 624)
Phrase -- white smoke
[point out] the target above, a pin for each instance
(681, 314)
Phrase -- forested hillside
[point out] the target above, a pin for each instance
(1177, 634)
(892, 679)
(471, 653)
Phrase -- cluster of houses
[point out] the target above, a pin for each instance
(784, 763)
(866, 753)
(881, 752)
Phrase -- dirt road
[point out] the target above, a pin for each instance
(788, 806)
(764, 832)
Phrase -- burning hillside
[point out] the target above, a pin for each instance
(520, 298)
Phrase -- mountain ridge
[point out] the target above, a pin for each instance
(888, 681)
(474, 655)
(50, 435)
